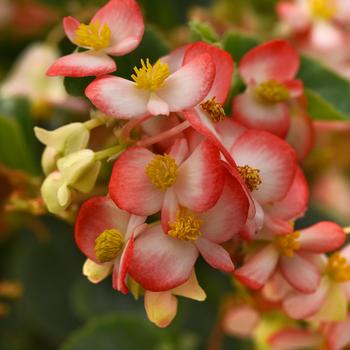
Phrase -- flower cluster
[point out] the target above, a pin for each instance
(190, 180)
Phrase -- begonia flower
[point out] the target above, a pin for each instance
(116, 29)
(269, 73)
(164, 260)
(291, 254)
(338, 335)
(154, 89)
(106, 235)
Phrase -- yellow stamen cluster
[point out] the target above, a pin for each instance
(288, 244)
(272, 91)
(323, 9)
(251, 177)
(150, 77)
(338, 269)
(108, 245)
(162, 171)
(186, 226)
(214, 110)
(93, 35)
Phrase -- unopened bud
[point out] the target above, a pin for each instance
(96, 272)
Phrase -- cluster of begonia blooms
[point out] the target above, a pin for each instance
(190, 180)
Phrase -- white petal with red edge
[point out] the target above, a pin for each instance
(258, 268)
(169, 209)
(294, 339)
(175, 58)
(274, 60)
(161, 262)
(302, 306)
(322, 237)
(224, 67)
(215, 255)
(248, 110)
(156, 106)
(161, 307)
(118, 97)
(130, 186)
(296, 16)
(338, 335)
(273, 157)
(229, 214)
(70, 25)
(189, 85)
(200, 178)
(295, 88)
(95, 216)
(300, 273)
(276, 288)
(82, 64)
(179, 150)
(124, 19)
(327, 36)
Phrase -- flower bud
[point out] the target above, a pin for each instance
(66, 139)
(96, 272)
(48, 160)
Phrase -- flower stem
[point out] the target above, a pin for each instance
(109, 152)
(132, 123)
(93, 123)
(164, 135)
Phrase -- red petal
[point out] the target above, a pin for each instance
(70, 25)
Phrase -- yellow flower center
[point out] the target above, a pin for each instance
(272, 91)
(186, 226)
(288, 244)
(162, 171)
(338, 268)
(150, 77)
(323, 9)
(214, 110)
(93, 35)
(251, 177)
(108, 245)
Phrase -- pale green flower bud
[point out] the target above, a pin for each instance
(48, 160)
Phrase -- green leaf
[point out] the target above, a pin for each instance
(203, 31)
(328, 93)
(118, 333)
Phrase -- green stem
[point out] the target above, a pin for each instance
(93, 123)
(109, 152)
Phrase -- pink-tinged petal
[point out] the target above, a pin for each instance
(82, 64)
(124, 19)
(294, 339)
(258, 268)
(70, 25)
(136, 226)
(276, 288)
(189, 85)
(175, 58)
(179, 150)
(227, 217)
(322, 237)
(274, 60)
(338, 335)
(326, 36)
(277, 226)
(229, 132)
(200, 178)
(295, 203)
(119, 278)
(190, 289)
(161, 262)
(300, 273)
(345, 252)
(294, 15)
(224, 67)
(301, 134)
(301, 306)
(95, 216)
(161, 307)
(117, 97)
(273, 157)
(169, 209)
(215, 255)
(248, 110)
(156, 106)
(295, 88)
(241, 321)
(130, 186)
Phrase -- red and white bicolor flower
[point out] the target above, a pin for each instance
(163, 260)
(106, 235)
(330, 300)
(293, 255)
(269, 73)
(155, 89)
(161, 307)
(144, 183)
(116, 29)
(338, 335)
(318, 19)
(266, 165)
